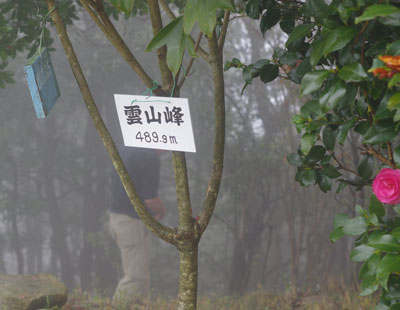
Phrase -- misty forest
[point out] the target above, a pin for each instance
(307, 122)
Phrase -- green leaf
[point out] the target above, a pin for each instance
(386, 243)
(355, 226)
(378, 10)
(125, 6)
(353, 73)
(366, 167)
(394, 80)
(330, 171)
(394, 48)
(389, 263)
(295, 160)
(333, 94)
(311, 109)
(252, 9)
(317, 51)
(173, 36)
(312, 81)
(381, 132)
(336, 234)
(369, 285)
(332, 40)
(317, 8)
(361, 253)
(315, 154)
(324, 183)
(299, 33)
(306, 177)
(343, 131)
(204, 12)
(329, 138)
(340, 220)
(269, 73)
(396, 155)
(376, 207)
(338, 38)
(269, 19)
(307, 142)
(394, 101)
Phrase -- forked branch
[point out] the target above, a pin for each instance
(158, 229)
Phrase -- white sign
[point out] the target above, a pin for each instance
(155, 122)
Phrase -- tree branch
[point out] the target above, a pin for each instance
(203, 54)
(156, 21)
(191, 61)
(167, 9)
(158, 229)
(224, 29)
(186, 228)
(378, 155)
(219, 139)
(107, 27)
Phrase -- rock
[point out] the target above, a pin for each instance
(31, 292)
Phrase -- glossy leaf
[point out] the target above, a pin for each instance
(389, 263)
(343, 131)
(316, 153)
(334, 93)
(295, 160)
(340, 220)
(204, 12)
(336, 234)
(252, 9)
(366, 167)
(378, 10)
(329, 138)
(269, 19)
(386, 243)
(125, 6)
(307, 142)
(376, 207)
(299, 32)
(269, 73)
(361, 253)
(324, 183)
(353, 73)
(355, 226)
(311, 109)
(330, 171)
(173, 36)
(396, 155)
(381, 132)
(306, 177)
(313, 81)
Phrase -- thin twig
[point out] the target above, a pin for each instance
(390, 151)
(343, 167)
(107, 27)
(222, 37)
(378, 155)
(167, 9)
(191, 61)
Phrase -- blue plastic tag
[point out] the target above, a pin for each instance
(42, 82)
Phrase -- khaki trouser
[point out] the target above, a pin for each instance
(134, 242)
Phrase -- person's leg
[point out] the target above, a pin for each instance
(134, 242)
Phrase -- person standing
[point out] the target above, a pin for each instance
(131, 235)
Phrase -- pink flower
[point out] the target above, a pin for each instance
(386, 186)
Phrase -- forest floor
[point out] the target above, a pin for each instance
(334, 298)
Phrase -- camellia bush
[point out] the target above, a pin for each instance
(346, 57)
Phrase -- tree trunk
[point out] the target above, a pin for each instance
(187, 294)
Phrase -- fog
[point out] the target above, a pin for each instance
(55, 177)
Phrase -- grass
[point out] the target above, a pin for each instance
(334, 297)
